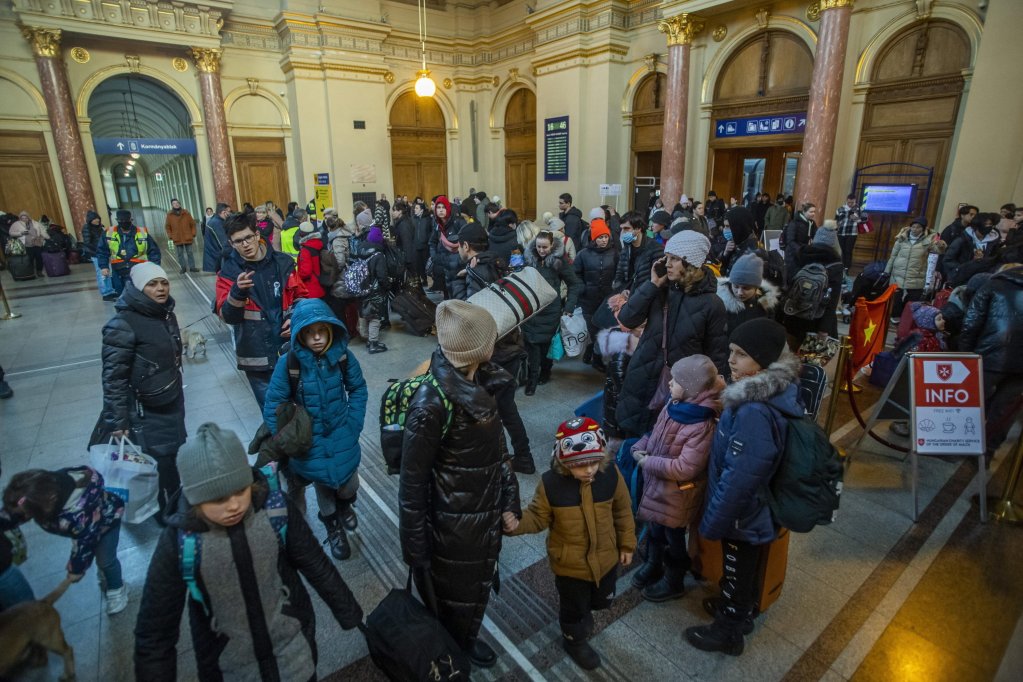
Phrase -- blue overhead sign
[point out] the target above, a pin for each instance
(784, 124)
(127, 145)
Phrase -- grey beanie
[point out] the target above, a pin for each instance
(747, 271)
(212, 464)
(827, 236)
(466, 332)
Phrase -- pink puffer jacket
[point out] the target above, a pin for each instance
(677, 454)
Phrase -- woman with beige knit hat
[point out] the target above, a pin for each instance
(456, 476)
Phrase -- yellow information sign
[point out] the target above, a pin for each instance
(324, 195)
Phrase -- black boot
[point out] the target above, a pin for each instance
(531, 387)
(724, 634)
(588, 353)
(672, 583)
(481, 655)
(374, 347)
(545, 374)
(336, 537)
(652, 569)
(585, 656)
(714, 605)
(346, 511)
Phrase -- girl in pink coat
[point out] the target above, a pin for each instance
(674, 461)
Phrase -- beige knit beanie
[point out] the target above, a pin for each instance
(466, 332)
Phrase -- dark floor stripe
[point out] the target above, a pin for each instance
(818, 658)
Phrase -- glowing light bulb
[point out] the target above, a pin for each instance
(135, 155)
(425, 87)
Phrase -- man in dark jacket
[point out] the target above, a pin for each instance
(502, 235)
(955, 229)
(715, 207)
(256, 287)
(483, 267)
(92, 235)
(215, 239)
(993, 327)
(975, 243)
(456, 482)
(123, 247)
(638, 253)
(573, 219)
(797, 234)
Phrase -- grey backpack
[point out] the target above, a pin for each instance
(808, 294)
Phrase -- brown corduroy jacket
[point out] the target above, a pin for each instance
(180, 227)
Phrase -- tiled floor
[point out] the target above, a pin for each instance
(873, 596)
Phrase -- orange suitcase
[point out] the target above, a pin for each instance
(771, 573)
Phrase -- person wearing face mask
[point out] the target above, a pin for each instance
(740, 236)
(777, 215)
(907, 263)
(596, 265)
(976, 242)
(797, 234)
(638, 253)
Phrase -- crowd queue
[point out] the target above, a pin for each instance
(694, 324)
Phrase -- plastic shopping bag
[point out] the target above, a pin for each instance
(573, 333)
(131, 475)
(556, 351)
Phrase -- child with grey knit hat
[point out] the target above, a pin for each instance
(745, 292)
(233, 551)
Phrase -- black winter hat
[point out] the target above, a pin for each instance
(661, 218)
(473, 233)
(763, 340)
(123, 216)
(740, 222)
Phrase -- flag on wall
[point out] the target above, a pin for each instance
(869, 327)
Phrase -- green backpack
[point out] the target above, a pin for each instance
(394, 410)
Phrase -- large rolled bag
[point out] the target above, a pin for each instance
(514, 298)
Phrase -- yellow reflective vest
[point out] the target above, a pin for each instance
(117, 255)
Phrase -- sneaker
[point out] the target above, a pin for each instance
(376, 347)
(183, 271)
(117, 600)
(5, 390)
(110, 297)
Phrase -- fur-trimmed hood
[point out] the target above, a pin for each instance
(775, 385)
(768, 296)
(551, 260)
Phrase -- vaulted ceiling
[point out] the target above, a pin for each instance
(137, 106)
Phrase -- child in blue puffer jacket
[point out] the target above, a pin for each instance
(747, 446)
(333, 391)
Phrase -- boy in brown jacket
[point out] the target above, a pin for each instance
(586, 505)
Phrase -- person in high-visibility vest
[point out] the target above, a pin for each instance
(289, 232)
(123, 247)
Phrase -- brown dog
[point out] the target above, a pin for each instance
(34, 626)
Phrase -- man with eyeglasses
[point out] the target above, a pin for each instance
(215, 239)
(256, 287)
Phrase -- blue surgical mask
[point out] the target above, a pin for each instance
(628, 237)
(728, 234)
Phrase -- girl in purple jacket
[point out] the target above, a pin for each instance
(674, 460)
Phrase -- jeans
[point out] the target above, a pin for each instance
(577, 601)
(106, 558)
(14, 589)
(118, 276)
(259, 381)
(184, 252)
(104, 284)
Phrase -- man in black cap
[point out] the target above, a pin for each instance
(123, 247)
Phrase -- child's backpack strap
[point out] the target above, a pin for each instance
(449, 409)
(189, 546)
(276, 505)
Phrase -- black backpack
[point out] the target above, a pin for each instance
(808, 294)
(394, 258)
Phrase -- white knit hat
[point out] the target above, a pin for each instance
(144, 273)
(597, 212)
(690, 246)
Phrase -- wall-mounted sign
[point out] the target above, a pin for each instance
(555, 149)
(762, 125)
(323, 194)
(128, 145)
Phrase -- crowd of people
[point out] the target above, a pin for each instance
(693, 321)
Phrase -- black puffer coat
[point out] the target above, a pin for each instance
(503, 238)
(454, 488)
(442, 257)
(540, 328)
(635, 262)
(993, 325)
(142, 381)
(741, 223)
(796, 235)
(405, 232)
(596, 268)
(696, 322)
(91, 234)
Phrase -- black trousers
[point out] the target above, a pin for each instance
(675, 541)
(1002, 398)
(537, 360)
(904, 297)
(579, 599)
(740, 561)
(509, 411)
(847, 244)
(36, 254)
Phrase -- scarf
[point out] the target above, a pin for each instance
(689, 413)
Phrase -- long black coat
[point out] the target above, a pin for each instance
(993, 325)
(540, 328)
(696, 322)
(832, 262)
(796, 235)
(596, 268)
(634, 271)
(453, 489)
(142, 358)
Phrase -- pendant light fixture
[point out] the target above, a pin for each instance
(425, 87)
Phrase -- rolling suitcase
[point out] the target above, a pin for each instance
(770, 574)
(55, 264)
(418, 313)
(21, 267)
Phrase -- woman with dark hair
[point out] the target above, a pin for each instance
(797, 234)
(739, 231)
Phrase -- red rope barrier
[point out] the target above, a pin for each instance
(859, 417)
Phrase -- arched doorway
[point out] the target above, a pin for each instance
(912, 108)
(647, 133)
(142, 134)
(419, 159)
(760, 102)
(520, 154)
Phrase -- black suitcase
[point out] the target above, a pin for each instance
(21, 267)
(417, 312)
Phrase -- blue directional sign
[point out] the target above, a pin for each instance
(762, 125)
(127, 145)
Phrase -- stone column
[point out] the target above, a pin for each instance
(207, 62)
(63, 121)
(681, 30)
(822, 115)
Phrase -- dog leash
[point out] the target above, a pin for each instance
(198, 321)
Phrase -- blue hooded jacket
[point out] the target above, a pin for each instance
(335, 397)
(747, 447)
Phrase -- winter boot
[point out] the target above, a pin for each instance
(545, 372)
(336, 537)
(573, 639)
(714, 605)
(376, 347)
(531, 387)
(724, 634)
(346, 510)
(481, 654)
(672, 583)
(652, 569)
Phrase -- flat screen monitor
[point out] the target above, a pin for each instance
(888, 198)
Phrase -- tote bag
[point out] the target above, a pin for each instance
(512, 299)
(131, 475)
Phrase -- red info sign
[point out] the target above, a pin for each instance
(947, 403)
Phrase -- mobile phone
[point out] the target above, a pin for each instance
(660, 269)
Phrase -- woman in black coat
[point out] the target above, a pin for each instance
(796, 235)
(422, 227)
(547, 255)
(740, 237)
(682, 304)
(143, 396)
(596, 266)
(456, 478)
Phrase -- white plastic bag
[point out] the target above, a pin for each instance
(573, 333)
(131, 475)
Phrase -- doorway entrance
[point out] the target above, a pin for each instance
(746, 171)
(419, 159)
(520, 154)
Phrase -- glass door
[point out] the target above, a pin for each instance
(752, 179)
